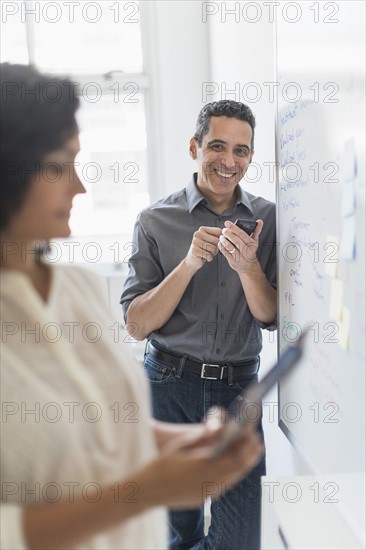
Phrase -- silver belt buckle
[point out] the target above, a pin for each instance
(204, 365)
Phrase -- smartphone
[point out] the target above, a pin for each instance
(246, 409)
(246, 225)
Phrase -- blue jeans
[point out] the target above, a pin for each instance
(235, 517)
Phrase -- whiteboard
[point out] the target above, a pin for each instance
(320, 151)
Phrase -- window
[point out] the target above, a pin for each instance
(98, 45)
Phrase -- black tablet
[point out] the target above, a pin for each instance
(247, 408)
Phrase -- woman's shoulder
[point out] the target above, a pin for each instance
(79, 275)
(82, 282)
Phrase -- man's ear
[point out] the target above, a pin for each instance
(193, 148)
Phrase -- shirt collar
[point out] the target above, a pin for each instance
(244, 199)
(194, 195)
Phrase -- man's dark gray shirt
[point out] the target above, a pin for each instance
(212, 322)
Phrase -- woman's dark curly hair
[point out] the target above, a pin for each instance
(37, 117)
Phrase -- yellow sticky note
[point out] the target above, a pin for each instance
(344, 328)
(336, 299)
(331, 258)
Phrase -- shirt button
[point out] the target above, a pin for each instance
(222, 316)
(223, 283)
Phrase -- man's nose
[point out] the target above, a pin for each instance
(227, 159)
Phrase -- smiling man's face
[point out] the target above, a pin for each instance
(223, 158)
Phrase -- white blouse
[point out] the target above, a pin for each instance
(75, 407)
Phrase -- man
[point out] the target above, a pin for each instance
(199, 288)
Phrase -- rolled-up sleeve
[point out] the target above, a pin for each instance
(12, 537)
(145, 271)
(265, 326)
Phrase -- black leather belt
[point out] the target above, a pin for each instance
(205, 370)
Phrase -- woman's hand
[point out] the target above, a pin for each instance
(166, 432)
(185, 470)
(182, 476)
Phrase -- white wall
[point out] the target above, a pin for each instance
(176, 56)
(241, 62)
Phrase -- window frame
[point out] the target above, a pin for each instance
(113, 81)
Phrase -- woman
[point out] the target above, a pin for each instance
(83, 464)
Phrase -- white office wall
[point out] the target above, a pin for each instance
(176, 53)
(242, 66)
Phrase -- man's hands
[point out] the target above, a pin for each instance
(239, 249)
(151, 310)
(204, 247)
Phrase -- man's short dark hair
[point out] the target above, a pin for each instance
(225, 107)
(37, 117)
